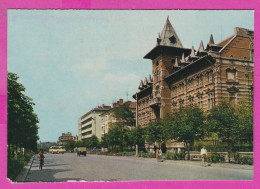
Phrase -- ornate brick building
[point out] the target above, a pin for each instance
(182, 76)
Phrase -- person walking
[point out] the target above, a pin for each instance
(203, 153)
(41, 158)
(157, 154)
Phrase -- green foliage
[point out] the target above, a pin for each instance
(157, 131)
(245, 113)
(175, 156)
(16, 164)
(225, 123)
(91, 142)
(187, 124)
(124, 114)
(22, 121)
(215, 158)
(70, 145)
(240, 159)
(136, 136)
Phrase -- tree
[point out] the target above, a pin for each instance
(22, 121)
(117, 135)
(91, 142)
(186, 125)
(225, 122)
(104, 141)
(157, 132)
(245, 114)
(136, 136)
(70, 145)
(124, 114)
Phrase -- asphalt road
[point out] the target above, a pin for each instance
(70, 167)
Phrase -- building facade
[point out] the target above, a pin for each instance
(183, 76)
(90, 123)
(64, 138)
(107, 117)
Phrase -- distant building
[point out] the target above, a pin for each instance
(90, 123)
(183, 76)
(64, 138)
(107, 117)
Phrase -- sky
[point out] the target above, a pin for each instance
(71, 61)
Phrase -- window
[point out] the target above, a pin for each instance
(174, 91)
(181, 88)
(190, 84)
(181, 102)
(210, 77)
(174, 106)
(231, 75)
(210, 101)
(200, 102)
(191, 99)
(157, 91)
(251, 95)
(200, 81)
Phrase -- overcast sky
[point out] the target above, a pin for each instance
(70, 61)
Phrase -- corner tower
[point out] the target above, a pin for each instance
(164, 55)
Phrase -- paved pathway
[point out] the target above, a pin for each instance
(69, 167)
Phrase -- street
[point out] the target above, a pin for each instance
(70, 167)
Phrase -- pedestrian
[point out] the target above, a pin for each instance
(203, 153)
(160, 156)
(157, 154)
(41, 158)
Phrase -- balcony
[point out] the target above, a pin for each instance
(155, 102)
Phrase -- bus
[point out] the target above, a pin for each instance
(57, 150)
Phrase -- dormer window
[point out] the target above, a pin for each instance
(172, 39)
(245, 58)
(231, 56)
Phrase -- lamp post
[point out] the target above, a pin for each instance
(136, 121)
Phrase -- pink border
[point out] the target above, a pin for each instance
(121, 4)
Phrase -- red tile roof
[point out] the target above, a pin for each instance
(223, 43)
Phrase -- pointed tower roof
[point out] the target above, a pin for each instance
(141, 86)
(201, 47)
(192, 54)
(150, 80)
(211, 40)
(168, 36)
(183, 58)
(176, 64)
(145, 81)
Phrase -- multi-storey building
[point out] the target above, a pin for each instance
(64, 138)
(90, 123)
(107, 117)
(183, 76)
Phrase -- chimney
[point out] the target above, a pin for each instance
(121, 101)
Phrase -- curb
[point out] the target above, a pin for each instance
(24, 173)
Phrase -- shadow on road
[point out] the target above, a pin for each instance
(47, 175)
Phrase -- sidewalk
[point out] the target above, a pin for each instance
(22, 176)
(188, 162)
